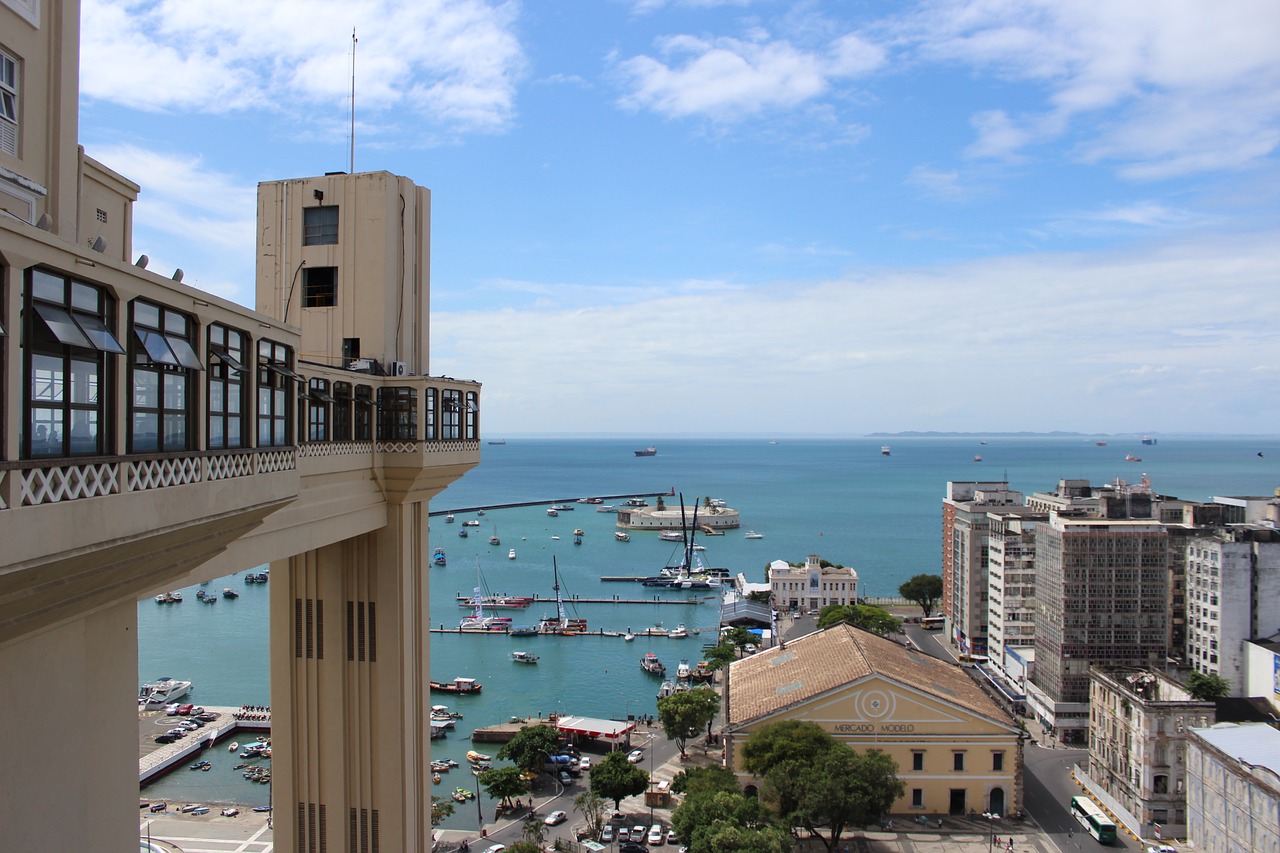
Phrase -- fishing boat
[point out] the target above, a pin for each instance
(458, 685)
(650, 664)
(524, 657)
(683, 671)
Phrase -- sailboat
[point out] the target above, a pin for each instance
(560, 623)
(494, 540)
(691, 572)
(478, 621)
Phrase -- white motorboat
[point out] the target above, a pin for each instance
(751, 534)
(671, 536)
(511, 555)
(678, 632)
(161, 692)
(524, 657)
(622, 537)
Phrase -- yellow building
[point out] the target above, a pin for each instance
(957, 751)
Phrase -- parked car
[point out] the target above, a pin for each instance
(606, 835)
(565, 778)
(556, 817)
(497, 848)
(656, 836)
(635, 756)
(584, 763)
(671, 836)
(632, 848)
(166, 738)
(638, 833)
(184, 710)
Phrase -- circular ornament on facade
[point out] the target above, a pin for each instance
(875, 704)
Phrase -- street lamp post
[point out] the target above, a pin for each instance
(479, 813)
(991, 838)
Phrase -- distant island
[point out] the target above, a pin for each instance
(932, 434)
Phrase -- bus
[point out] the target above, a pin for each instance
(1093, 819)
(932, 623)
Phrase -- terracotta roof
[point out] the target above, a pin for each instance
(818, 663)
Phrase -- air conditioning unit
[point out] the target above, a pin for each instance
(399, 368)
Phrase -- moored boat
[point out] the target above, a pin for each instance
(458, 685)
(511, 555)
(438, 557)
(622, 536)
(161, 692)
(650, 664)
(524, 657)
(751, 534)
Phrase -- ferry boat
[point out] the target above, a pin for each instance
(161, 692)
(650, 664)
(458, 685)
(648, 451)
(524, 657)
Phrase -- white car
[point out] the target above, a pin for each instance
(635, 756)
(638, 833)
(555, 818)
(671, 836)
(606, 836)
(584, 763)
(1161, 848)
(497, 848)
(656, 836)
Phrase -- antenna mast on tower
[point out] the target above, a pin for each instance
(352, 162)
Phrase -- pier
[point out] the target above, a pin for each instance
(155, 758)
(518, 504)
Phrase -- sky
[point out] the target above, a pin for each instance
(755, 217)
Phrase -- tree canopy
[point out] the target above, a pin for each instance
(1207, 687)
(877, 620)
(699, 812)
(721, 655)
(503, 783)
(615, 778)
(530, 746)
(701, 780)
(784, 741)
(591, 806)
(924, 590)
(683, 715)
(441, 808)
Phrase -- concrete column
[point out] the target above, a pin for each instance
(350, 695)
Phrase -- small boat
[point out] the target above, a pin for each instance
(234, 746)
(667, 688)
(448, 519)
(671, 535)
(472, 522)
(175, 597)
(650, 664)
(683, 671)
(577, 540)
(555, 538)
(262, 808)
(524, 631)
(462, 532)
(477, 757)
(200, 810)
(607, 508)
(228, 592)
(524, 657)
(629, 636)
(479, 512)
(648, 451)
(1100, 443)
(458, 685)
(511, 555)
(438, 557)
(751, 534)
(435, 778)
(230, 811)
(622, 537)
(164, 598)
(552, 511)
(577, 531)
(210, 599)
(679, 632)
(1129, 457)
(884, 450)
(977, 458)
(494, 540)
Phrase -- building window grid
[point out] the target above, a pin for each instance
(275, 372)
(8, 103)
(318, 403)
(320, 225)
(227, 387)
(342, 405)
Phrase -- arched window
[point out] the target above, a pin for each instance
(67, 372)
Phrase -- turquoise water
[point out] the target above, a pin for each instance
(839, 499)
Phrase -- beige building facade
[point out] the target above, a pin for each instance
(956, 750)
(154, 434)
(812, 586)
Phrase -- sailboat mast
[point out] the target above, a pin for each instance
(564, 619)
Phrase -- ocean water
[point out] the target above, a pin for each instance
(839, 499)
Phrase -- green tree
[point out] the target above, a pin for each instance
(724, 836)
(924, 590)
(702, 780)
(534, 831)
(700, 811)
(740, 637)
(524, 847)
(840, 789)
(1206, 687)
(503, 783)
(683, 715)
(615, 778)
(877, 620)
(760, 596)
(530, 746)
(441, 808)
(790, 740)
(591, 807)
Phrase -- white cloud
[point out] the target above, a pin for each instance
(937, 183)
(731, 78)
(1052, 330)
(1162, 87)
(456, 62)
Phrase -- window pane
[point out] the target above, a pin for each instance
(146, 389)
(217, 396)
(233, 432)
(175, 323)
(175, 431)
(186, 355)
(61, 326)
(84, 431)
(156, 346)
(146, 426)
(85, 376)
(264, 432)
(146, 314)
(215, 433)
(175, 391)
(45, 424)
(47, 381)
(233, 399)
(47, 287)
(98, 333)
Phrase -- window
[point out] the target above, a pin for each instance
(8, 104)
(917, 798)
(342, 411)
(319, 287)
(163, 365)
(997, 761)
(318, 410)
(68, 338)
(226, 386)
(957, 760)
(275, 372)
(450, 414)
(917, 761)
(471, 409)
(320, 225)
(397, 414)
(363, 414)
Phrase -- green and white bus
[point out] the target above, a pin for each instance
(1093, 819)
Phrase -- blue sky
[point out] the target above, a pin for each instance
(748, 216)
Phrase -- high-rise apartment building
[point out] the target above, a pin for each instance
(964, 558)
(1011, 584)
(1101, 597)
